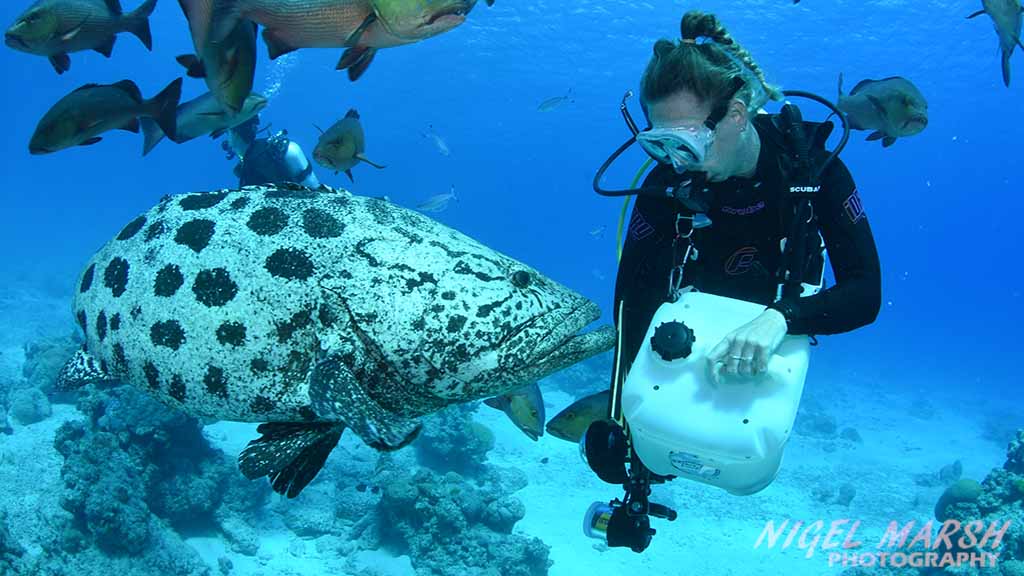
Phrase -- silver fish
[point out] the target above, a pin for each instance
(893, 108)
(201, 116)
(438, 142)
(556, 102)
(437, 202)
(53, 28)
(1006, 17)
(314, 311)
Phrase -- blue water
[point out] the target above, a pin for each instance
(944, 205)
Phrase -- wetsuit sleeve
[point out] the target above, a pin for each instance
(641, 284)
(856, 297)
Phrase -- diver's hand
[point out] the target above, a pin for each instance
(747, 349)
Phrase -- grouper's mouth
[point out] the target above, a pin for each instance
(453, 15)
(561, 349)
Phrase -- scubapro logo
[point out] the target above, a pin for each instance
(803, 189)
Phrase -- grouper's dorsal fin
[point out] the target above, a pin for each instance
(80, 370)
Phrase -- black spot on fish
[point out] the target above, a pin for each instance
(240, 202)
(290, 264)
(544, 460)
(361, 487)
(259, 365)
(437, 308)
(485, 310)
(87, 279)
(424, 278)
(410, 236)
(177, 388)
(300, 193)
(133, 227)
(115, 276)
(298, 321)
(136, 312)
(448, 295)
(307, 413)
(456, 323)
(195, 234)
(101, 325)
(326, 316)
(375, 490)
(152, 375)
(463, 268)
(201, 201)
(267, 221)
(261, 405)
(360, 249)
(154, 231)
(453, 254)
(419, 324)
(168, 280)
(215, 382)
(120, 361)
(214, 287)
(115, 322)
(231, 333)
(168, 334)
(319, 223)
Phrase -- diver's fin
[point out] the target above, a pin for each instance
(137, 22)
(80, 370)
(978, 13)
(275, 46)
(151, 135)
(290, 454)
(164, 108)
(107, 47)
(362, 158)
(353, 38)
(888, 141)
(193, 65)
(876, 135)
(91, 141)
(348, 173)
(335, 394)
(356, 60)
(61, 63)
(131, 126)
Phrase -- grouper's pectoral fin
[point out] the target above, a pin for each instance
(80, 370)
(290, 454)
(335, 394)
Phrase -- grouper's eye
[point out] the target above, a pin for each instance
(522, 279)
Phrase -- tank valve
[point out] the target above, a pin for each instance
(673, 340)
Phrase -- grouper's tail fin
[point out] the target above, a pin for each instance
(290, 454)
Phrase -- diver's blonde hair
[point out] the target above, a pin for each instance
(705, 69)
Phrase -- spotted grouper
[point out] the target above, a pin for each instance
(315, 311)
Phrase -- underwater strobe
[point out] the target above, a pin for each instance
(625, 522)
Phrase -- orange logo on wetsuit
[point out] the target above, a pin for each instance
(741, 261)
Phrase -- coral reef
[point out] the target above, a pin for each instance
(44, 359)
(133, 470)
(11, 551)
(29, 405)
(452, 441)
(450, 525)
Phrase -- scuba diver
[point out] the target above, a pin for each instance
(270, 160)
(741, 204)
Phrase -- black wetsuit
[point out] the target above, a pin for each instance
(739, 255)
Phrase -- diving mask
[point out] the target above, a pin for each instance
(683, 147)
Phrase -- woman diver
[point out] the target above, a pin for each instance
(728, 170)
